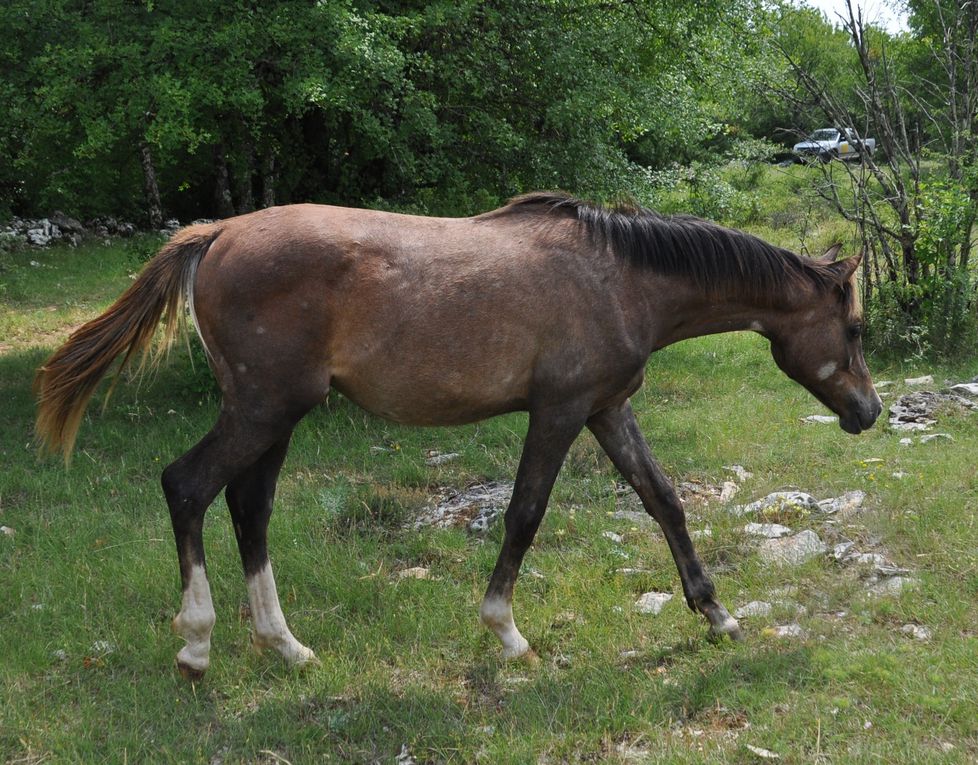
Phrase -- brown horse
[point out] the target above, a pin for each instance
(548, 304)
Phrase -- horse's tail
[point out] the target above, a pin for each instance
(69, 378)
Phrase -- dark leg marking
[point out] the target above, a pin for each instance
(618, 433)
(547, 440)
(190, 484)
(249, 498)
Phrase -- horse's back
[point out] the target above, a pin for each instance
(421, 320)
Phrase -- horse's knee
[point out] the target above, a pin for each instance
(176, 485)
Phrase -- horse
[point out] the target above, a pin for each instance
(549, 304)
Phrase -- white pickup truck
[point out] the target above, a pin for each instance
(833, 143)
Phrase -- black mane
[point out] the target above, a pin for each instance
(715, 257)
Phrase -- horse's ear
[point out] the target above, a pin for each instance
(844, 269)
(831, 254)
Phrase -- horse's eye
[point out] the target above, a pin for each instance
(855, 331)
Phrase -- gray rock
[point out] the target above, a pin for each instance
(916, 411)
(848, 503)
(841, 550)
(405, 757)
(764, 754)
(476, 508)
(935, 437)
(824, 419)
(437, 458)
(788, 631)
(767, 530)
(925, 380)
(893, 585)
(779, 502)
(740, 471)
(878, 562)
(616, 538)
(728, 490)
(916, 631)
(44, 235)
(965, 389)
(633, 517)
(794, 550)
(69, 225)
(652, 602)
(754, 608)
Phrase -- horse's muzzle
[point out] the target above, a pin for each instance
(862, 413)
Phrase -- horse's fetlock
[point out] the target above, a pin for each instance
(699, 593)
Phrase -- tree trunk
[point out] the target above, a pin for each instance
(154, 208)
(223, 207)
(242, 179)
(268, 179)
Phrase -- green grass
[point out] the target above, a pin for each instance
(405, 661)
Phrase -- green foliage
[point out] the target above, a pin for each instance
(445, 107)
(936, 315)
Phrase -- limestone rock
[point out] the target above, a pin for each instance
(754, 608)
(780, 502)
(793, 550)
(767, 530)
(847, 504)
(652, 602)
(476, 508)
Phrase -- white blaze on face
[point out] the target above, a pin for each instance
(195, 621)
(271, 631)
(497, 615)
(826, 371)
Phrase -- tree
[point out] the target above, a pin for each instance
(916, 221)
(212, 108)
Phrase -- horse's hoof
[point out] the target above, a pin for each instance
(529, 657)
(729, 628)
(193, 674)
(307, 663)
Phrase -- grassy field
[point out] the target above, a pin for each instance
(89, 582)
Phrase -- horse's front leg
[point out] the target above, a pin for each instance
(618, 433)
(548, 438)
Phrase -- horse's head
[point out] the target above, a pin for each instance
(818, 343)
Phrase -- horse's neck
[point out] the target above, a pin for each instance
(680, 310)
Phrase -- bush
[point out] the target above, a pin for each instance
(936, 315)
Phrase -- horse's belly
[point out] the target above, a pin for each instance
(424, 400)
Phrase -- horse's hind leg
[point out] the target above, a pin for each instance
(249, 498)
(547, 441)
(618, 433)
(190, 485)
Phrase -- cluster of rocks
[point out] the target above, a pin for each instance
(474, 508)
(781, 546)
(43, 231)
(917, 411)
(777, 544)
(59, 228)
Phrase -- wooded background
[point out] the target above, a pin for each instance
(168, 108)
